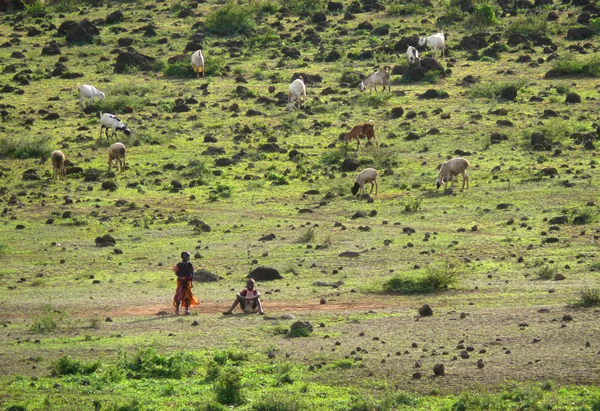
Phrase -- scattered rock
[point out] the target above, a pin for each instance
(425, 311)
(264, 274)
(438, 369)
(301, 329)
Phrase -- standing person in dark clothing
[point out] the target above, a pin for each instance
(185, 273)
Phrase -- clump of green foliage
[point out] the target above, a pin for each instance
(230, 19)
(280, 401)
(304, 7)
(589, 297)
(437, 277)
(412, 204)
(547, 272)
(228, 388)
(220, 191)
(484, 15)
(29, 145)
(120, 104)
(531, 27)
(335, 156)
(69, 366)
(181, 69)
(48, 320)
(214, 66)
(568, 65)
(307, 236)
(409, 7)
(494, 89)
(374, 100)
(147, 363)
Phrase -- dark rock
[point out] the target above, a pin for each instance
(204, 276)
(301, 329)
(349, 254)
(563, 219)
(509, 93)
(397, 112)
(181, 108)
(573, 98)
(114, 17)
(438, 369)
(335, 6)
(132, 59)
(82, 32)
(425, 311)
(125, 41)
(350, 164)
(264, 274)
(580, 33)
(109, 185)
(319, 17)
(290, 52)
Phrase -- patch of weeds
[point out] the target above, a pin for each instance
(403, 398)
(412, 204)
(374, 100)
(572, 64)
(26, 145)
(220, 191)
(230, 19)
(437, 277)
(304, 7)
(307, 236)
(117, 105)
(494, 89)
(267, 6)
(362, 403)
(196, 169)
(95, 322)
(112, 374)
(65, 6)
(562, 88)
(214, 65)
(583, 217)
(234, 357)
(212, 405)
(147, 363)
(530, 27)
(589, 297)
(335, 156)
(432, 77)
(228, 388)
(285, 375)
(452, 14)
(349, 77)
(409, 7)
(38, 8)
(69, 366)
(48, 320)
(180, 69)
(547, 272)
(279, 401)
(3, 249)
(483, 15)
(343, 363)
(268, 38)
(277, 179)
(475, 401)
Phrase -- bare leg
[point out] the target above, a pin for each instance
(187, 306)
(177, 307)
(259, 305)
(235, 303)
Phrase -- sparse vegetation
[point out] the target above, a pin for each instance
(589, 297)
(570, 64)
(307, 236)
(230, 19)
(26, 146)
(69, 366)
(547, 272)
(436, 277)
(48, 320)
(494, 89)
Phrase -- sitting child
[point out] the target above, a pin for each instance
(248, 299)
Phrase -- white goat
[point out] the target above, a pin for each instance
(297, 93)
(89, 92)
(381, 77)
(436, 42)
(110, 121)
(116, 155)
(198, 63)
(58, 164)
(412, 54)
(368, 175)
(449, 169)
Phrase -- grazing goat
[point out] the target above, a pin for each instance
(368, 175)
(198, 63)
(436, 42)
(362, 130)
(412, 54)
(88, 92)
(381, 77)
(452, 168)
(110, 121)
(58, 164)
(116, 154)
(297, 93)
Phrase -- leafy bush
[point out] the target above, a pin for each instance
(589, 297)
(117, 105)
(228, 388)
(349, 77)
(484, 14)
(149, 364)
(38, 7)
(374, 100)
(547, 272)
(307, 236)
(335, 156)
(225, 357)
(214, 66)
(230, 19)
(494, 89)
(304, 7)
(220, 191)
(268, 38)
(530, 26)
(26, 146)
(180, 69)
(212, 405)
(409, 7)
(571, 64)
(412, 204)
(68, 366)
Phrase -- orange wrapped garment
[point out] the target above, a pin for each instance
(184, 291)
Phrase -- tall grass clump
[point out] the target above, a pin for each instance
(280, 401)
(531, 27)
(408, 7)
(214, 66)
(180, 70)
(304, 7)
(117, 105)
(228, 388)
(69, 366)
(48, 320)
(589, 297)
(374, 100)
(307, 236)
(26, 146)
(230, 19)
(147, 363)
(436, 277)
(335, 156)
(547, 272)
(570, 65)
(412, 204)
(494, 89)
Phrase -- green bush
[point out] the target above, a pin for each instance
(374, 99)
(412, 204)
(437, 277)
(228, 388)
(279, 401)
(409, 7)
(494, 89)
(48, 320)
(307, 236)
(118, 105)
(68, 366)
(225, 357)
(547, 272)
(335, 156)
(230, 19)
(530, 26)
(589, 297)
(149, 364)
(484, 15)
(26, 145)
(570, 64)
(181, 70)
(304, 7)
(214, 66)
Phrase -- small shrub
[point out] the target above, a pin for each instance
(583, 217)
(589, 297)
(349, 77)
(68, 366)
(221, 191)
(268, 38)
(228, 388)
(234, 357)
(279, 401)
(64, 6)
(212, 405)
(409, 7)
(531, 27)
(48, 320)
(38, 7)
(343, 363)
(547, 272)
(412, 204)
(95, 322)
(181, 69)
(432, 77)
(484, 15)
(113, 374)
(117, 105)
(149, 364)
(571, 64)
(230, 19)
(277, 179)
(214, 66)
(304, 7)
(494, 89)
(26, 146)
(374, 100)
(335, 156)
(437, 277)
(307, 236)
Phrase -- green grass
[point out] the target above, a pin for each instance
(589, 297)
(437, 277)
(494, 89)
(230, 19)
(572, 65)
(28, 146)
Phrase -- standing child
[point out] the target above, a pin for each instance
(248, 299)
(185, 274)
